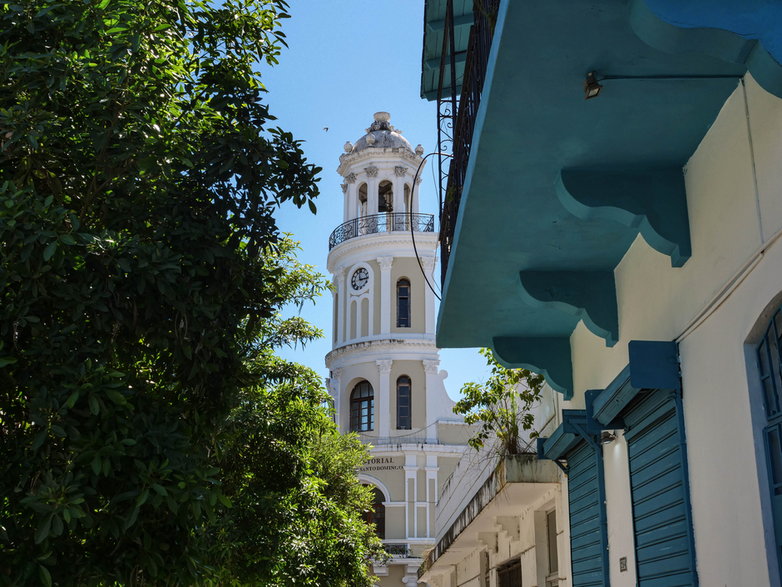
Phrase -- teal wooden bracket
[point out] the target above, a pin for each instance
(561, 463)
(587, 295)
(650, 200)
(735, 31)
(653, 365)
(549, 356)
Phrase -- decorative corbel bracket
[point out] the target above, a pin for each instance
(510, 525)
(651, 200)
(587, 295)
(545, 355)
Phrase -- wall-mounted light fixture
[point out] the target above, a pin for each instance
(592, 84)
(607, 437)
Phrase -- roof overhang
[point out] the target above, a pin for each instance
(558, 187)
(434, 28)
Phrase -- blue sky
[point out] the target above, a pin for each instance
(346, 60)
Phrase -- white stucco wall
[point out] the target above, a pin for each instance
(709, 306)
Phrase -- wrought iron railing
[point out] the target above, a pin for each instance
(384, 222)
(400, 550)
(455, 125)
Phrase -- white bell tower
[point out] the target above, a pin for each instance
(384, 376)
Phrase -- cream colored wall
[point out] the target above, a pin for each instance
(448, 433)
(408, 268)
(395, 575)
(503, 546)
(447, 466)
(414, 370)
(709, 306)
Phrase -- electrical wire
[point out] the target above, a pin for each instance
(410, 218)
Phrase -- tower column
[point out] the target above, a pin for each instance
(399, 189)
(432, 380)
(411, 495)
(384, 399)
(346, 200)
(431, 469)
(372, 187)
(335, 385)
(385, 293)
(339, 279)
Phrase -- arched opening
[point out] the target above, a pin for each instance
(403, 303)
(404, 413)
(362, 200)
(385, 200)
(362, 407)
(377, 514)
(407, 198)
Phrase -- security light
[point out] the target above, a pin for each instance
(591, 86)
(606, 437)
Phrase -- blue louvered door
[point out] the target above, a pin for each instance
(664, 546)
(587, 516)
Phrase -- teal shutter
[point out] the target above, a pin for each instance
(587, 515)
(575, 441)
(664, 546)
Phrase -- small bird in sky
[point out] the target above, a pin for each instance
(326, 128)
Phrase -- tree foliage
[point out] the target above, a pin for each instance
(141, 280)
(501, 406)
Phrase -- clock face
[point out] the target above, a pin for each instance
(360, 278)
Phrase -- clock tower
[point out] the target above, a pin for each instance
(384, 377)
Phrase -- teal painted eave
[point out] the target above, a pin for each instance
(434, 25)
(559, 187)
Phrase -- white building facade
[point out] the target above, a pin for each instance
(385, 379)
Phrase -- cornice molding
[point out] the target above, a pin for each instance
(375, 154)
(421, 346)
(379, 243)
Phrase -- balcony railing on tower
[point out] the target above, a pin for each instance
(455, 125)
(383, 222)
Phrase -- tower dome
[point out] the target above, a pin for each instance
(382, 135)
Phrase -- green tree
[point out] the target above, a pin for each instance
(285, 464)
(501, 406)
(141, 278)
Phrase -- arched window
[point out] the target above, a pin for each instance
(362, 200)
(362, 407)
(385, 200)
(377, 515)
(403, 303)
(404, 414)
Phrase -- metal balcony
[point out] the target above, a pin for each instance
(457, 108)
(384, 222)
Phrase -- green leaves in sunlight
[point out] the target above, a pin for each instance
(501, 406)
(148, 433)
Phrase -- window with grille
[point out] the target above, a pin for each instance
(551, 544)
(509, 575)
(404, 414)
(362, 408)
(770, 367)
(403, 303)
